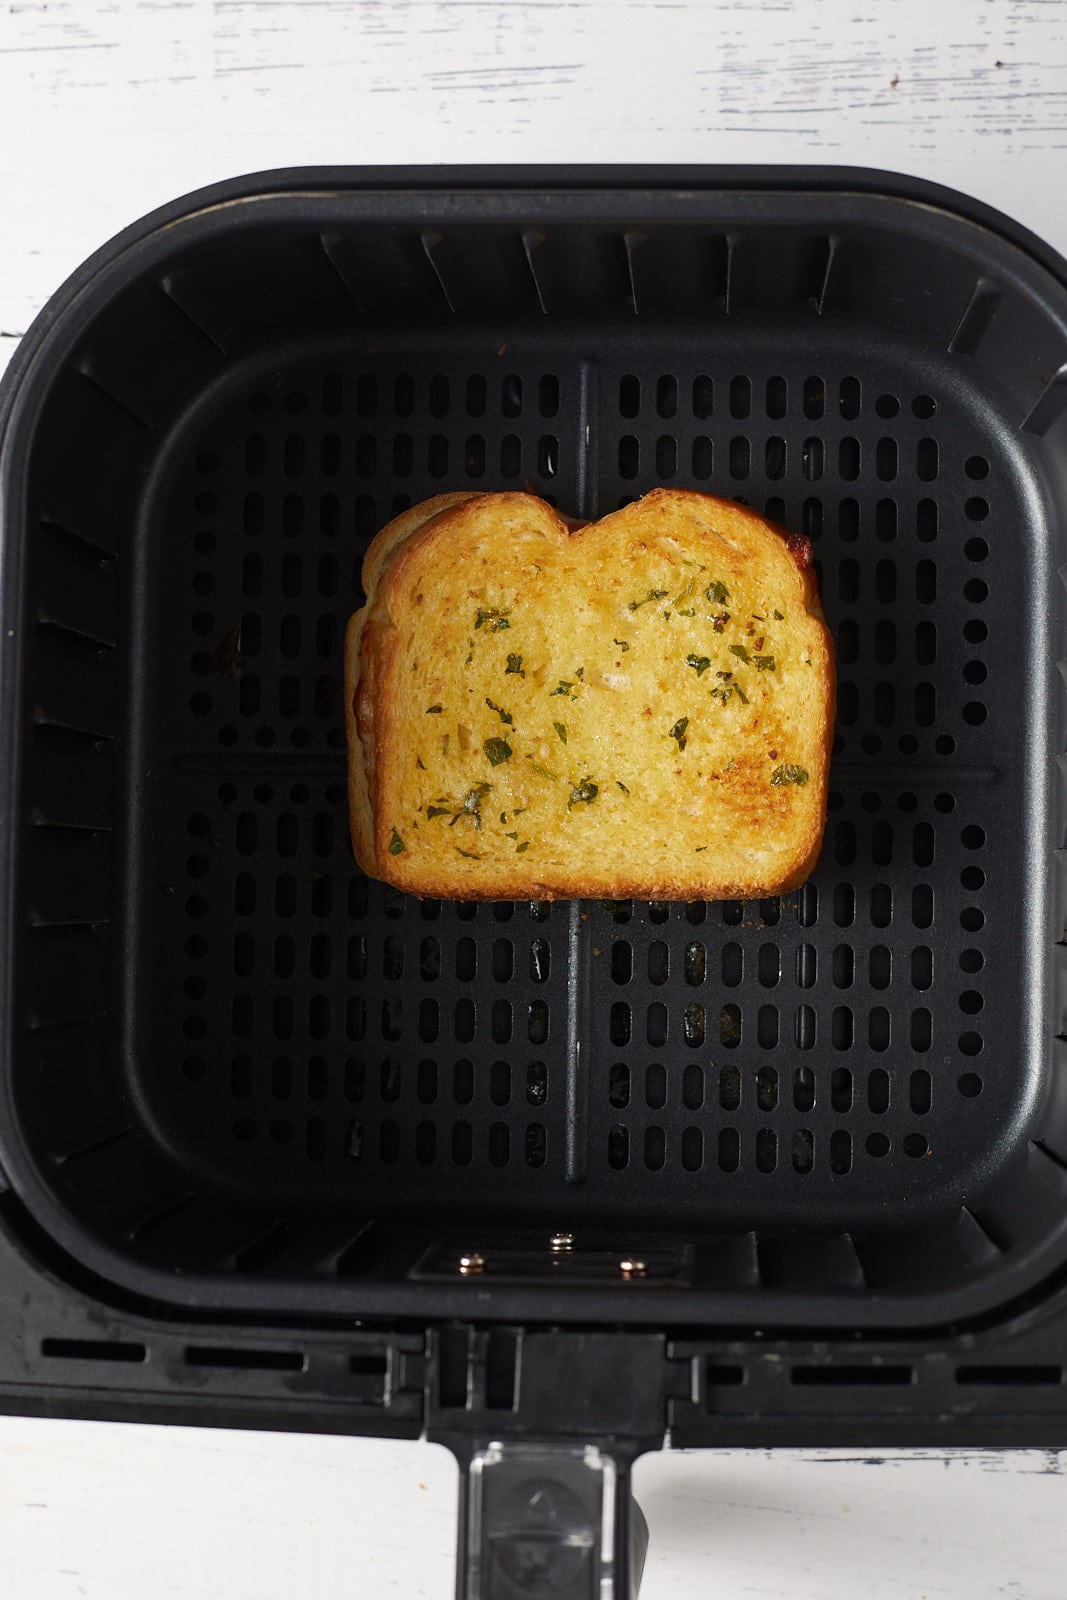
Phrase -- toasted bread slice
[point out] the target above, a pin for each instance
(640, 706)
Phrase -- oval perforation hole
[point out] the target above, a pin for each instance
(841, 1089)
(695, 964)
(618, 1147)
(767, 1089)
(740, 397)
(500, 1083)
(803, 1089)
(536, 1083)
(814, 402)
(878, 1091)
(767, 1027)
(766, 1150)
(655, 1087)
(462, 1144)
(840, 1152)
(692, 1149)
(629, 396)
(658, 962)
(777, 398)
(729, 1088)
(499, 1144)
(803, 1150)
(535, 1149)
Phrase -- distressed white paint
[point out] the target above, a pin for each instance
(108, 108)
(114, 1512)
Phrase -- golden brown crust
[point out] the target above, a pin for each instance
(458, 551)
(361, 673)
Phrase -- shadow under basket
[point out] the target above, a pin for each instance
(238, 1075)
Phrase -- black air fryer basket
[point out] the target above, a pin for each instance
(282, 1147)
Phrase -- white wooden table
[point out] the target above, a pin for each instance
(109, 107)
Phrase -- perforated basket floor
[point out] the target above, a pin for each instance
(301, 1073)
(758, 1062)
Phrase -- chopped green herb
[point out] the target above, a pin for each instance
(667, 615)
(434, 711)
(756, 616)
(518, 811)
(513, 835)
(397, 845)
(699, 848)
(740, 652)
(678, 732)
(436, 811)
(471, 855)
(583, 793)
(497, 620)
(496, 750)
(686, 611)
(561, 729)
(717, 591)
(514, 665)
(519, 848)
(468, 658)
(623, 646)
(564, 687)
(700, 664)
(505, 716)
(420, 763)
(778, 616)
(579, 673)
(543, 772)
(653, 594)
(622, 786)
(471, 805)
(788, 774)
(444, 743)
(719, 622)
(763, 663)
(723, 691)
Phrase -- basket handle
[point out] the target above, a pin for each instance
(545, 1518)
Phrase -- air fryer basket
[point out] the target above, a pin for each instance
(239, 1077)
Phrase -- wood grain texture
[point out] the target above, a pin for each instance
(116, 1512)
(110, 107)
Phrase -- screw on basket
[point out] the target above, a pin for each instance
(561, 1242)
(470, 1265)
(631, 1268)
